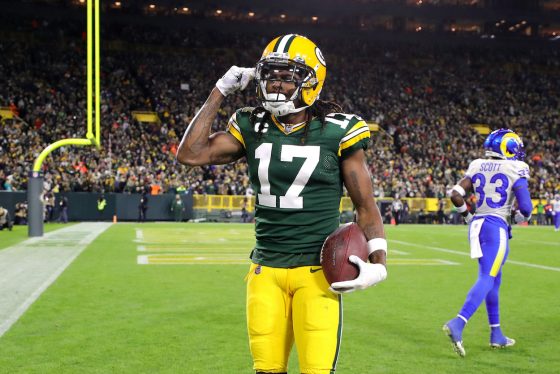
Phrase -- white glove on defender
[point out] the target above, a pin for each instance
(520, 218)
(468, 218)
(235, 79)
(370, 274)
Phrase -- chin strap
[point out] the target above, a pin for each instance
(278, 104)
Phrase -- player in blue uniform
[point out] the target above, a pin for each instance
(556, 212)
(497, 181)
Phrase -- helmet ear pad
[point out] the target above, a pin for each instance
(309, 92)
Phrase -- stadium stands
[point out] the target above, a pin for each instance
(424, 96)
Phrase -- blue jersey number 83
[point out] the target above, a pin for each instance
(501, 183)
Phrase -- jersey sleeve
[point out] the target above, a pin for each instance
(521, 169)
(233, 127)
(473, 167)
(521, 191)
(356, 137)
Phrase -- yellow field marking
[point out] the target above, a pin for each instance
(190, 250)
(191, 260)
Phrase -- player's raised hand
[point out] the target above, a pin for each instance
(235, 79)
(370, 274)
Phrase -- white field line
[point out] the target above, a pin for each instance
(538, 242)
(465, 253)
(420, 261)
(29, 268)
(397, 252)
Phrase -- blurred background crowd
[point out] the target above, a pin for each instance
(424, 96)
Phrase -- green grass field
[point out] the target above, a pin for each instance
(181, 310)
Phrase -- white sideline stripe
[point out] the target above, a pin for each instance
(139, 234)
(527, 264)
(29, 268)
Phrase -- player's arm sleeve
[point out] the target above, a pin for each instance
(234, 129)
(473, 168)
(521, 191)
(357, 137)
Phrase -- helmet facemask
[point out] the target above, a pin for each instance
(278, 67)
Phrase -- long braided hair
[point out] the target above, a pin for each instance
(318, 110)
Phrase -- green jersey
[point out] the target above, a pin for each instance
(297, 182)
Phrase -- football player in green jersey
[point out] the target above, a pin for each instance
(299, 150)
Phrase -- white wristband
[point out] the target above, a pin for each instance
(377, 244)
(462, 208)
(459, 190)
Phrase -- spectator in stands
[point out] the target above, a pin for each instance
(436, 111)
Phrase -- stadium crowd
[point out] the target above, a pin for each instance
(424, 97)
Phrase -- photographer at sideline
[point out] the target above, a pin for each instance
(5, 221)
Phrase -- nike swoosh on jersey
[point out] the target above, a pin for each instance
(314, 270)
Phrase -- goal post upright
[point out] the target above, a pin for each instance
(93, 136)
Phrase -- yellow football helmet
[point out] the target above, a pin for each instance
(301, 57)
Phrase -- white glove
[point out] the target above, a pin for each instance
(235, 79)
(468, 218)
(520, 218)
(370, 274)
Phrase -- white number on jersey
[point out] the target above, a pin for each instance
(291, 200)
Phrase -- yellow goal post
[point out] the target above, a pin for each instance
(93, 138)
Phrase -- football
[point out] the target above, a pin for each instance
(347, 240)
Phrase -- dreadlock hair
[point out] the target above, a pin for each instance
(318, 110)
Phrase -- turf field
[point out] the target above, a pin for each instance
(169, 298)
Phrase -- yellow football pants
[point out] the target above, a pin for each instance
(287, 305)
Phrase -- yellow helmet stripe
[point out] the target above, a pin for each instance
(283, 43)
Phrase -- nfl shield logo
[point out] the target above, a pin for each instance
(258, 269)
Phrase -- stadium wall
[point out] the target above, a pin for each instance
(82, 206)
